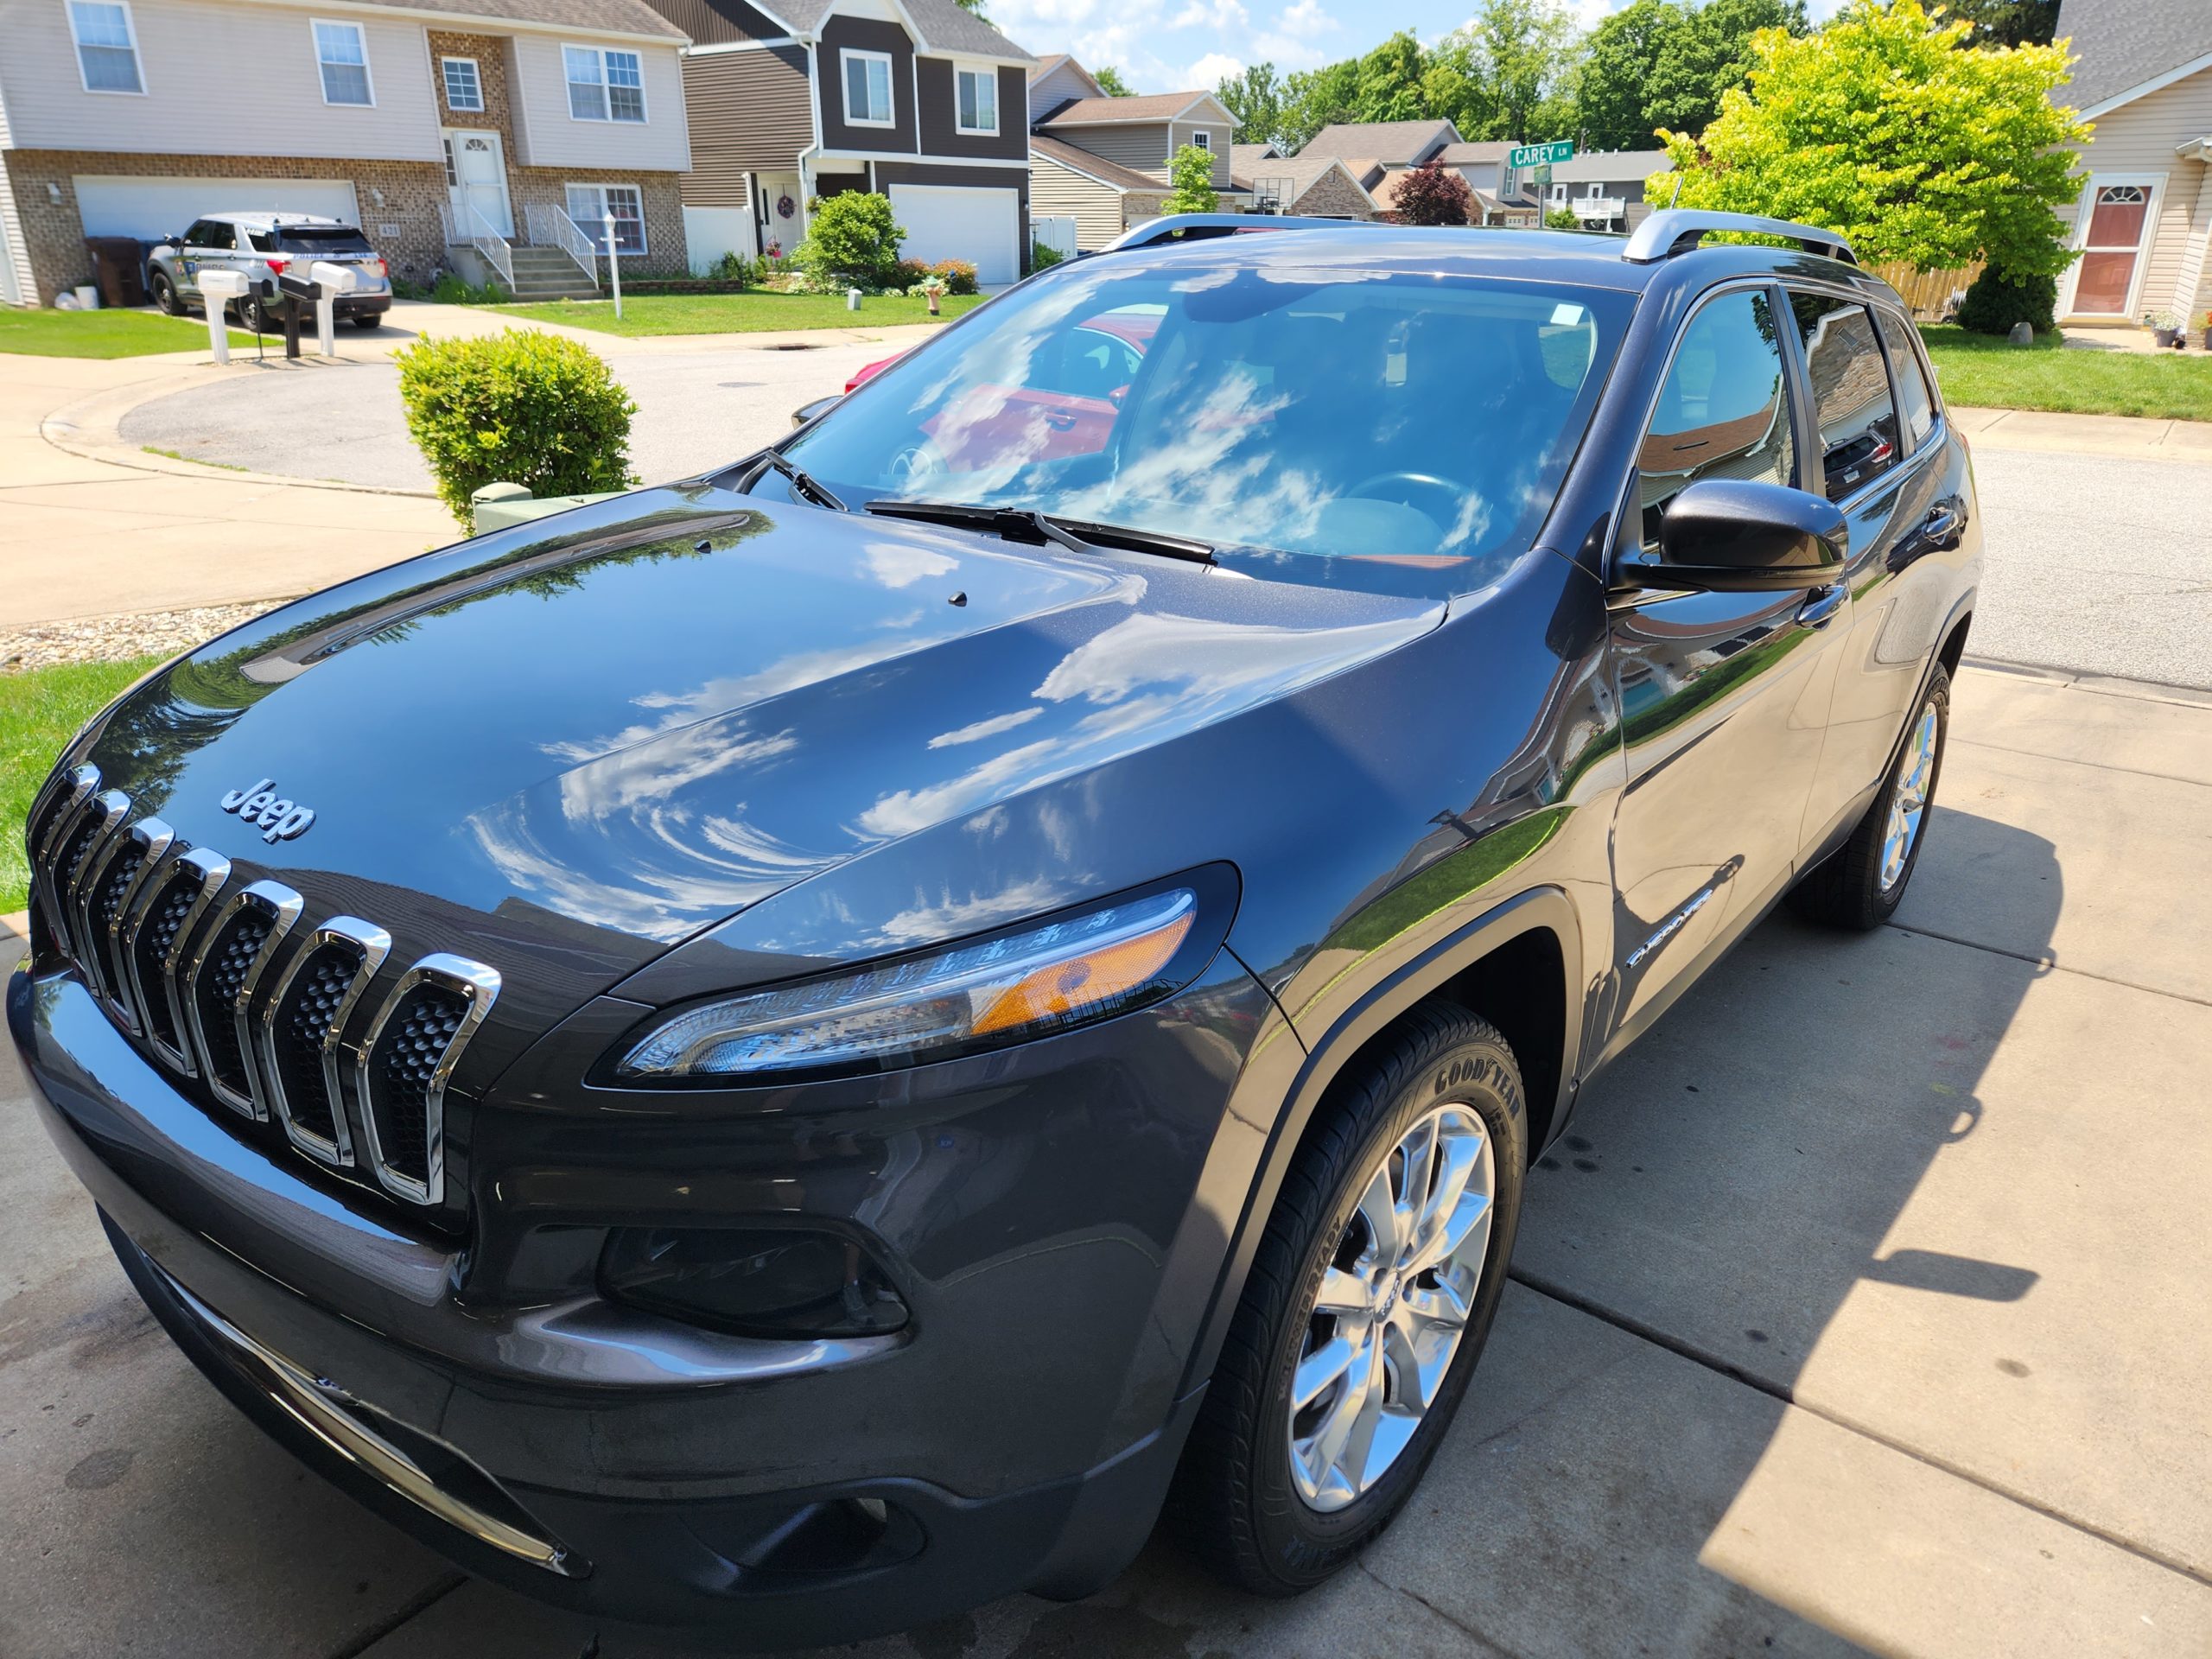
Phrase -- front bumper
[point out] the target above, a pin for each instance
(1019, 1434)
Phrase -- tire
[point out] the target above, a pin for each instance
(253, 316)
(1860, 884)
(1246, 1500)
(372, 319)
(164, 293)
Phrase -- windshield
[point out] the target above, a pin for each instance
(1359, 424)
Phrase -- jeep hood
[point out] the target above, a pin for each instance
(634, 721)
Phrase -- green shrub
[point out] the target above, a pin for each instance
(851, 241)
(1042, 258)
(1561, 218)
(733, 267)
(520, 407)
(1190, 169)
(1994, 303)
(451, 290)
(907, 273)
(958, 274)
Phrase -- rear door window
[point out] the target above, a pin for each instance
(1913, 394)
(320, 239)
(1851, 391)
(1724, 410)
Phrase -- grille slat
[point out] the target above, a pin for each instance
(130, 905)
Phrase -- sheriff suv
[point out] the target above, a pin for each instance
(797, 1051)
(261, 247)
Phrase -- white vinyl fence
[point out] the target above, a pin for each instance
(710, 232)
(1055, 231)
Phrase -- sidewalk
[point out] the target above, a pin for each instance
(2124, 436)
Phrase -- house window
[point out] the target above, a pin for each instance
(604, 86)
(464, 88)
(453, 173)
(977, 93)
(342, 51)
(590, 204)
(1559, 192)
(107, 48)
(1203, 141)
(867, 89)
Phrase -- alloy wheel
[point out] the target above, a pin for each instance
(1388, 1314)
(1909, 800)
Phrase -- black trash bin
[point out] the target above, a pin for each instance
(118, 266)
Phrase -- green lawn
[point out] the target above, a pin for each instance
(736, 314)
(40, 711)
(1988, 371)
(103, 333)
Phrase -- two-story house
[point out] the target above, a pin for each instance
(793, 101)
(1103, 162)
(1377, 154)
(1604, 189)
(2143, 224)
(431, 125)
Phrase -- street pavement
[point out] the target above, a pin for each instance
(1862, 1307)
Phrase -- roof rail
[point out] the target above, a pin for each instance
(1194, 227)
(1677, 230)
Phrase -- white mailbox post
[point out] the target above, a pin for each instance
(334, 279)
(218, 289)
(613, 269)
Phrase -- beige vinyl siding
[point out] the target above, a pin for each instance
(2140, 138)
(1181, 131)
(548, 136)
(1056, 192)
(219, 81)
(1057, 88)
(1142, 147)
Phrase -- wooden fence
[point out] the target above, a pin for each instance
(1927, 292)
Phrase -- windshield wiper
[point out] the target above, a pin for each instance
(802, 482)
(1027, 524)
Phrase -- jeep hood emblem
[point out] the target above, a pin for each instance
(277, 818)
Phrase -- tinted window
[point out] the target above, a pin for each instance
(212, 234)
(1723, 412)
(1356, 424)
(322, 238)
(1851, 391)
(1911, 380)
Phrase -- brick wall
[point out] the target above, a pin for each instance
(664, 254)
(398, 202)
(490, 52)
(1332, 193)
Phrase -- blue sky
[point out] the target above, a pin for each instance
(1165, 45)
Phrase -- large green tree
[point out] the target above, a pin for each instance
(1314, 98)
(1612, 83)
(2008, 22)
(1112, 82)
(1888, 126)
(1254, 98)
(1527, 51)
(1389, 86)
(1708, 55)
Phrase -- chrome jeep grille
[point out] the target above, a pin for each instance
(209, 975)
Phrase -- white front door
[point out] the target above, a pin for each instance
(476, 177)
(2106, 281)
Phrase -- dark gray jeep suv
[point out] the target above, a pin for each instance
(804, 1048)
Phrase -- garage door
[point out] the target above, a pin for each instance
(158, 207)
(960, 222)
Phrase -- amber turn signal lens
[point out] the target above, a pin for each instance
(1101, 975)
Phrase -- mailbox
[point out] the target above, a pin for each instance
(330, 281)
(218, 289)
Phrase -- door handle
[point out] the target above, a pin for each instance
(1820, 606)
(1944, 526)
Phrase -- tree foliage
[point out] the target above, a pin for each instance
(1664, 63)
(1889, 127)
(2008, 22)
(851, 239)
(1254, 98)
(1994, 303)
(1434, 195)
(1112, 82)
(1190, 169)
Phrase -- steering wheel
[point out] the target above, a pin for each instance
(1448, 494)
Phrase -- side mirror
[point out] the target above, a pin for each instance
(814, 410)
(1729, 535)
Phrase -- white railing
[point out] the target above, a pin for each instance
(477, 234)
(1599, 207)
(549, 227)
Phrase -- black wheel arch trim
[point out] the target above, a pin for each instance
(1539, 909)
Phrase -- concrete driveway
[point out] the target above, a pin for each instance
(1865, 1306)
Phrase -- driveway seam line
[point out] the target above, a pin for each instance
(2069, 760)
(1457, 1624)
(2051, 962)
(421, 1602)
(1787, 1396)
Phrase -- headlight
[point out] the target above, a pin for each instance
(1017, 985)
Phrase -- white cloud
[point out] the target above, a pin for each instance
(1212, 70)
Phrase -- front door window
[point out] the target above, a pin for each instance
(2110, 249)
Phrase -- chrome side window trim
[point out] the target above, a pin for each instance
(280, 905)
(374, 944)
(479, 987)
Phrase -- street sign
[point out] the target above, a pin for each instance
(1540, 155)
